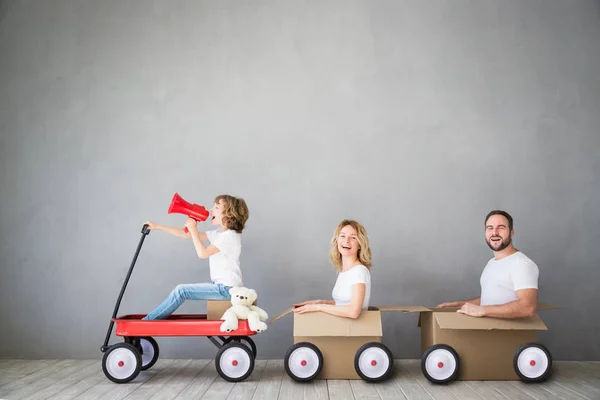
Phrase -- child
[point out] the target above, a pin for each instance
(230, 215)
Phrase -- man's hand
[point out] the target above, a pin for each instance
(307, 308)
(472, 310)
(191, 224)
(451, 304)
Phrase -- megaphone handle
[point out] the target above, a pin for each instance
(185, 229)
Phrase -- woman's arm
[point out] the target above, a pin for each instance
(350, 311)
(313, 302)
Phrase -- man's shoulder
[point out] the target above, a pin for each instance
(520, 259)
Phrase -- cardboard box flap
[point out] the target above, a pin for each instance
(280, 315)
(322, 324)
(461, 321)
(403, 308)
(546, 306)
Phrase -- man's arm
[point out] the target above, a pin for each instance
(525, 306)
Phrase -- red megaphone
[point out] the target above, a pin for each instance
(180, 206)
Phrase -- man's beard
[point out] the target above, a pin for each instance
(505, 243)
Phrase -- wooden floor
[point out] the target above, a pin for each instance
(198, 379)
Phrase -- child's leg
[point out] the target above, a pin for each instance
(189, 291)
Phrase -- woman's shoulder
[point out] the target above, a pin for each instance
(360, 270)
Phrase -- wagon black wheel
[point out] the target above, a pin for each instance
(121, 363)
(150, 352)
(245, 340)
(234, 362)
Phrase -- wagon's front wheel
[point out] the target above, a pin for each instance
(234, 362)
(532, 362)
(122, 363)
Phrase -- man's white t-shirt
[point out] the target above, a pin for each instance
(342, 291)
(501, 278)
(225, 265)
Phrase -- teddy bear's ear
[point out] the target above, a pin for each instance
(252, 294)
(232, 291)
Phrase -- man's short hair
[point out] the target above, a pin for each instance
(504, 214)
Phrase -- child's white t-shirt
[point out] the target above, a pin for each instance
(342, 291)
(501, 278)
(225, 265)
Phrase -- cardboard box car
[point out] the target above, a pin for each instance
(486, 346)
(338, 338)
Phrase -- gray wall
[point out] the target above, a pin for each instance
(415, 118)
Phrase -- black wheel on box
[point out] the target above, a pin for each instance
(440, 364)
(234, 362)
(122, 363)
(245, 340)
(303, 362)
(533, 363)
(373, 362)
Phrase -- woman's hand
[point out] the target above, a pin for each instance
(307, 308)
(307, 302)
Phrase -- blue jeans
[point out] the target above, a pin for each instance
(189, 291)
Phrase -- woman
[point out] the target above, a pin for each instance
(351, 256)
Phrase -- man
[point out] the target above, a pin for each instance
(509, 282)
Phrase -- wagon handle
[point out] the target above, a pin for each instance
(145, 232)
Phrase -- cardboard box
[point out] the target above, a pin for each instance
(216, 308)
(486, 346)
(337, 338)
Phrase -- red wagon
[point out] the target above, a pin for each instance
(122, 362)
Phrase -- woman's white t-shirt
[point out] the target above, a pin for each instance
(225, 265)
(342, 291)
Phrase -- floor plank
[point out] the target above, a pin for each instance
(411, 389)
(290, 389)
(339, 389)
(79, 375)
(200, 383)
(507, 389)
(180, 380)
(245, 390)
(108, 389)
(269, 385)
(438, 392)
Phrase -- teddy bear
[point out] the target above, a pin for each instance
(242, 299)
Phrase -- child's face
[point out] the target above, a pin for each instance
(217, 213)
